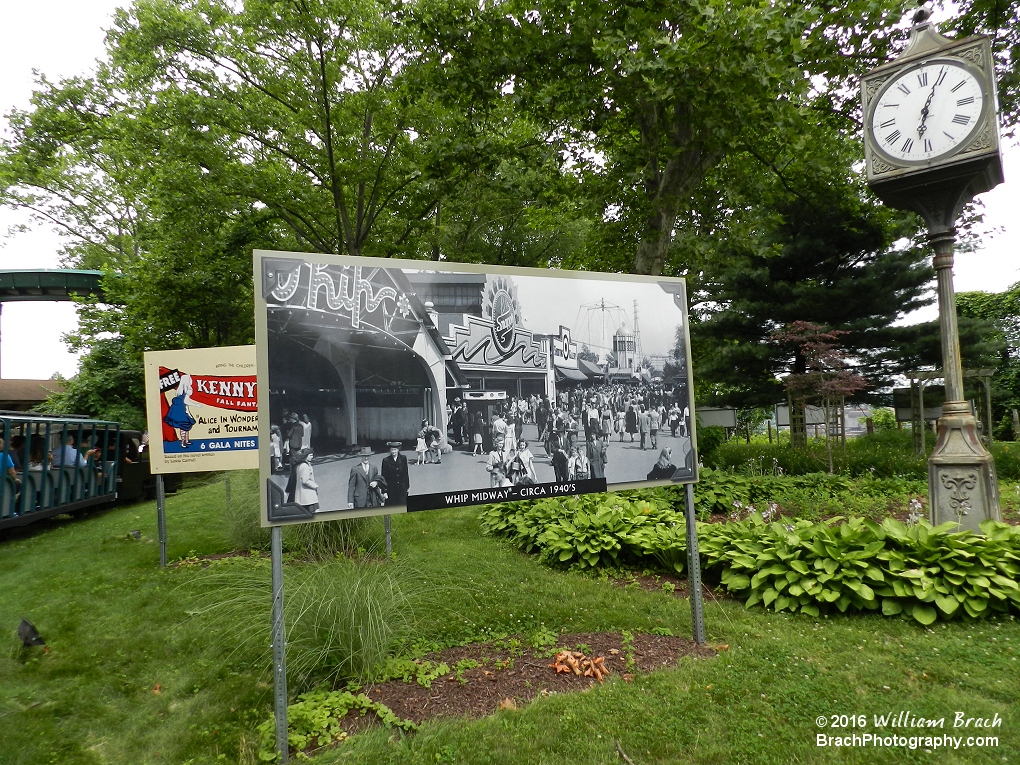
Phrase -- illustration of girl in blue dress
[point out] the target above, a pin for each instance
(178, 415)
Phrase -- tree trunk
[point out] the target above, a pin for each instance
(656, 236)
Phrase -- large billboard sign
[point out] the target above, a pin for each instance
(202, 409)
(393, 385)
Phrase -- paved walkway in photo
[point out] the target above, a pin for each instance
(460, 470)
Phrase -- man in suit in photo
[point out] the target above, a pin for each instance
(366, 487)
(394, 472)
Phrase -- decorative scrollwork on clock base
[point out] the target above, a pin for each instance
(959, 484)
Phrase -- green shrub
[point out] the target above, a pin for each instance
(709, 439)
(314, 720)
(884, 454)
(883, 418)
(587, 530)
(1007, 460)
(918, 571)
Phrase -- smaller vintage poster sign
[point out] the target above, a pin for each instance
(202, 409)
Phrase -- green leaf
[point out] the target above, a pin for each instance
(891, 607)
(736, 582)
(1005, 582)
(924, 614)
(947, 605)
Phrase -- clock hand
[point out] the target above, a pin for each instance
(924, 111)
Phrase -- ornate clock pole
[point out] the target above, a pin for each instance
(931, 144)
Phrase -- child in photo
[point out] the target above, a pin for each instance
(420, 448)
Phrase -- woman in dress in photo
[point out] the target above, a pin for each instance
(606, 426)
(632, 421)
(178, 416)
(306, 490)
(276, 448)
(528, 460)
(495, 461)
(420, 447)
(477, 429)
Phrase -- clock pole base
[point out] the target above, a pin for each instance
(961, 473)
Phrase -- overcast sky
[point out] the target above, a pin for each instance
(62, 38)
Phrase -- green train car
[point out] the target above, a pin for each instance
(56, 465)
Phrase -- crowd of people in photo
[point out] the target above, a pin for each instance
(575, 429)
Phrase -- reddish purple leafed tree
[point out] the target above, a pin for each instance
(827, 377)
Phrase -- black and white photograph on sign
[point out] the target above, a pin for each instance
(401, 388)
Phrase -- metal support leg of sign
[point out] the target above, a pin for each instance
(161, 519)
(694, 567)
(389, 539)
(279, 646)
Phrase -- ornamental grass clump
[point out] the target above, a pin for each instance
(342, 617)
(241, 514)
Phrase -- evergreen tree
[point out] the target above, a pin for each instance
(827, 259)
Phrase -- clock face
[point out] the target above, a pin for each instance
(927, 112)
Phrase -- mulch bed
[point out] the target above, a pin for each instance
(512, 678)
(508, 678)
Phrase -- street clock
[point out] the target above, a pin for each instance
(931, 144)
(930, 116)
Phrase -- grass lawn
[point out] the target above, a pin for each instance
(117, 627)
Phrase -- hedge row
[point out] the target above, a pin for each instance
(882, 455)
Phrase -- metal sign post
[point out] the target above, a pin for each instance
(161, 519)
(279, 645)
(694, 567)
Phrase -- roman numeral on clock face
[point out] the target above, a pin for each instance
(965, 101)
(903, 89)
(907, 145)
(927, 145)
(888, 123)
(961, 119)
(893, 137)
(942, 76)
(958, 85)
(922, 79)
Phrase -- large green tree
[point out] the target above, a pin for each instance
(610, 136)
(213, 129)
(648, 98)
